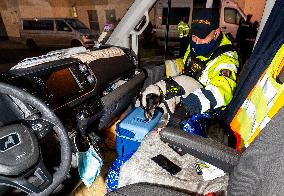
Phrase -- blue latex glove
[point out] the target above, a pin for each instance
(197, 124)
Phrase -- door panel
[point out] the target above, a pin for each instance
(40, 31)
(63, 33)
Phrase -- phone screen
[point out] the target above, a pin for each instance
(166, 164)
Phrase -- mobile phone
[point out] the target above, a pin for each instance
(166, 164)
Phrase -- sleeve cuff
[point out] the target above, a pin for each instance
(192, 104)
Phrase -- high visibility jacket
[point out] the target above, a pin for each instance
(262, 103)
(183, 29)
(218, 89)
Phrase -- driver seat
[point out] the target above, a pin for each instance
(259, 170)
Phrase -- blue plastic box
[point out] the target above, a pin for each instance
(132, 129)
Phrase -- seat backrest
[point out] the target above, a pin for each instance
(260, 170)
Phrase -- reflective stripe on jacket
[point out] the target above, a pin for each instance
(218, 89)
(183, 29)
(262, 103)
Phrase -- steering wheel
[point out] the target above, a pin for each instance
(21, 163)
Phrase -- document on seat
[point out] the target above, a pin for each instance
(208, 171)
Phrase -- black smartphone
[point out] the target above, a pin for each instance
(166, 164)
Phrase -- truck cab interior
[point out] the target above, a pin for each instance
(86, 97)
(57, 104)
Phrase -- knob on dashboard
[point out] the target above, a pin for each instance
(91, 79)
(83, 68)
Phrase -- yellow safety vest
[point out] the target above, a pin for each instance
(214, 83)
(183, 29)
(262, 103)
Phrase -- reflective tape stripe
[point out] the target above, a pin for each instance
(186, 27)
(269, 91)
(264, 122)
(186, 55)
(254, 128)
(231, 54)
(204, 79)
(226, 66)
(205, 103)
(209, 95)
(263, 80)
(218, 96)
(250, 109)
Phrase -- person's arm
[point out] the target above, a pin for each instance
(219, 91)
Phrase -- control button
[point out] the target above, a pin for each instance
(83, 68)
(90, 79)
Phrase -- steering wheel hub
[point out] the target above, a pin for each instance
(18, 148)
(21, 164)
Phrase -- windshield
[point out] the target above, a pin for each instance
(76, 24)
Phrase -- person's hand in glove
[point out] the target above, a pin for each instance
(178, 117)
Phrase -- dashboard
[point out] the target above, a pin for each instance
(93, 85)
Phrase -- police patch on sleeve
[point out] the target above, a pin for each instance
(226, 73)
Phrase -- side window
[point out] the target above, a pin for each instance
(141, 24)
(177, 14)
(110, 16)
(93, 20)
(38, 25)
(232, 16)
(47, 25)
(62, 26)
(27, 25)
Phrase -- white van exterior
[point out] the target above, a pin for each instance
(56, 32)
(230, 15)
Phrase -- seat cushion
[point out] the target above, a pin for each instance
(140, 168)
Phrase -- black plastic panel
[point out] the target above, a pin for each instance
(17, 146)
(58, 86)
(118, 100)
(110, 69)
